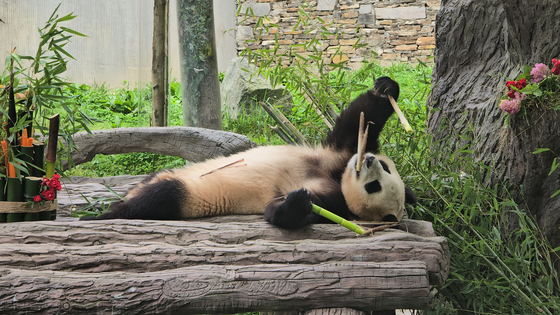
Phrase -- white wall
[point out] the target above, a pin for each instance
(119, 42)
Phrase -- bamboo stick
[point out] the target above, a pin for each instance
(403, 120)
(337, 219)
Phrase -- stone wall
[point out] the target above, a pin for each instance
(395, 30)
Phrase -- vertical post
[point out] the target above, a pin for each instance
(159, 63)
(200, 85)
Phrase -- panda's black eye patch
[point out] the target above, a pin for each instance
(373, 187)
(385, 166)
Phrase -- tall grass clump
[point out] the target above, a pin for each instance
(496, 267)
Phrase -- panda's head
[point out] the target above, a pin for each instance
(376, 192)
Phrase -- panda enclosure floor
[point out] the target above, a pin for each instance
(215, 265)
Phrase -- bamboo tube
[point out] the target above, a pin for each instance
(337, 219)
(52, 145)
(38, 159)
(51, 152)
(14, 193)
(32, 187)
(404, 122)
(27, 157)
(2, 196)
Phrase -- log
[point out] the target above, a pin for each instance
(214, 265)
(212, 289)
(192, 144)
(82, 247)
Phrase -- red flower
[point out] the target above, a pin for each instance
(54, 184)
(511, 94)
(508, 83)
(556, 71)
(56, 176)
(48, 195)
(37, 198)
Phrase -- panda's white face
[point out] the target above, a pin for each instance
(376, 192)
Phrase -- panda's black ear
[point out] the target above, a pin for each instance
(409, 196)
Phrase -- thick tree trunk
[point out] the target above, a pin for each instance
(480, 44)
(159, 63)
(200, 85)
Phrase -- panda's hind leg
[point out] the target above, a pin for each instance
(162, 199)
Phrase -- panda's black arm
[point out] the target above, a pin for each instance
(377, 110)
(295, 211)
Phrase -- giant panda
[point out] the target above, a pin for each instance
(282, 181)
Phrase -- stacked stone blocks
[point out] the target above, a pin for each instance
(387, 30)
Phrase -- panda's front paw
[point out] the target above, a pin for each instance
(292, 213)
(299, 202)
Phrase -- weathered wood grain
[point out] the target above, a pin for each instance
(212, 289)
(189, 243)
(192, 144)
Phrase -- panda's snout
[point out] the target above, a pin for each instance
(369, 161)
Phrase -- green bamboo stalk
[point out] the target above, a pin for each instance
(337, 219)
(2, 196)
(32, 186)
(27, 157)
(14, 193)
(38, 159)
(52, 145)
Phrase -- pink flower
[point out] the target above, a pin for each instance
(519, 96)
(511, 106)
(539, 72)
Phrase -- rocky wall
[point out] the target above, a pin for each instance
(393, 30)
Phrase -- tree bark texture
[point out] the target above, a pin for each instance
(479, 45)
(200, 85)
(192, 144)
(160, 77)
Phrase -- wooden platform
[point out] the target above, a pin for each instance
(217, 265)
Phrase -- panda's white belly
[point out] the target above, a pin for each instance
(244, 183)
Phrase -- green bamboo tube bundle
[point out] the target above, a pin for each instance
(32, 186)
(2, 196)
(14, 192)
